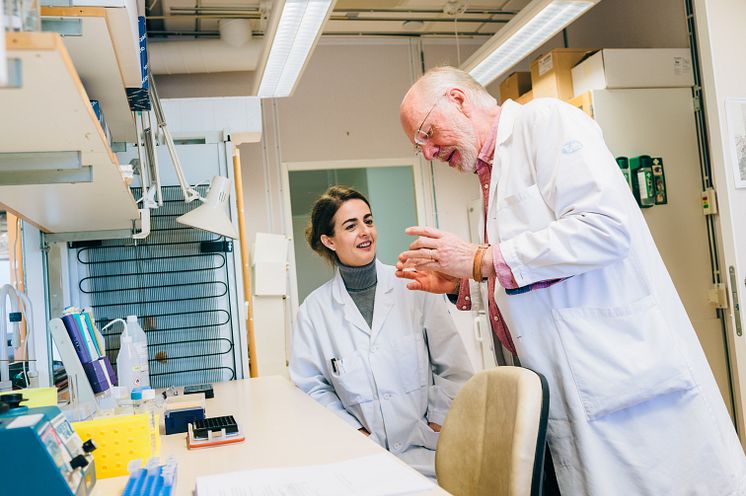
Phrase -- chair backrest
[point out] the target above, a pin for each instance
(493, 439)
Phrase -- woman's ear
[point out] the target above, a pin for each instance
(328, 242)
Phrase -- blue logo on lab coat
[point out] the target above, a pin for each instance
(571, 147)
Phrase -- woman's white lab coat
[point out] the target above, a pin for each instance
(395, 377)
(634, 408)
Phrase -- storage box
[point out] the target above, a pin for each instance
(515, 85)
(525, 98)
(550, 73)
(634, 68)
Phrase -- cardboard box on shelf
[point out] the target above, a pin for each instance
(634, 68)
(550, 73)
(515, 85)
(525, 98)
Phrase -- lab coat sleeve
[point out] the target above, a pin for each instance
(579, 181)
(306, 368)
(448, 358)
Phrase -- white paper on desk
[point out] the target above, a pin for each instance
(375, 475)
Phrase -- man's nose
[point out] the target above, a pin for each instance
(429, 151)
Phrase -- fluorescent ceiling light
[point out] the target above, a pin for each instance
(534, 25)
(294, 38)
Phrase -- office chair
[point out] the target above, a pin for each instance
(493, 439)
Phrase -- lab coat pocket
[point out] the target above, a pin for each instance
(428, 437)
(621, 357)
(526, 210)
(408, 358)
(351, 383)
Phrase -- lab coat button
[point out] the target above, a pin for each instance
(373, 349)
(387, 396)
(397, 446)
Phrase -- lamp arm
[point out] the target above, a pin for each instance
(190, 194)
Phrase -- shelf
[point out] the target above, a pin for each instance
(51, 114)
(106, 56)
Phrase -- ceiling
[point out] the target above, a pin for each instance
(432, 18)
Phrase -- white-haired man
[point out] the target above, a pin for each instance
(577, 290)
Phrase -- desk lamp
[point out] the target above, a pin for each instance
(212, 215)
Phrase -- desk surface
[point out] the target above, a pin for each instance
(283, 428)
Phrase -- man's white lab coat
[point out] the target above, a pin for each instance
(392, 379)
(634, 407)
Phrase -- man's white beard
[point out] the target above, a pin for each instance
(467, 151)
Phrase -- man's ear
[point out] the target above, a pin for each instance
(328, 242)
(457, 96)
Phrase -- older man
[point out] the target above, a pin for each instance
(577, 290)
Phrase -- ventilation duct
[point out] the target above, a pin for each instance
(234, 51)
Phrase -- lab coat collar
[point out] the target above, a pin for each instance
(384, 298)
(508, 115)
(509, 112)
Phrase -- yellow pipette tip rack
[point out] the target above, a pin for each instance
(119, 440)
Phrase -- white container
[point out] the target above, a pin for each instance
(140, 340)
(616, 68)
(129, 364)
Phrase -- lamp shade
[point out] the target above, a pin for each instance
(212, 215)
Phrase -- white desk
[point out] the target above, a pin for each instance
(283, 428)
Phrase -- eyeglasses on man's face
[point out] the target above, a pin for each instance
(421, 137)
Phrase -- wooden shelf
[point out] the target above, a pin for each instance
(106, 56)
(51, 112)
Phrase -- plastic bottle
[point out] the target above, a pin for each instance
(129, 364)
(140, 340)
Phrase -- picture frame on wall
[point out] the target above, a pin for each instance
(735, 110)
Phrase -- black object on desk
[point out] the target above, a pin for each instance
(200, 388)
(226, 424)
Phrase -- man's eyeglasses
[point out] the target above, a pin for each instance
(421, 137)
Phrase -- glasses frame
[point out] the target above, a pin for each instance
(420, 137)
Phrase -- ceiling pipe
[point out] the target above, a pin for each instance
(234, 51)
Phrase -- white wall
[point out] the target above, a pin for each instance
(722, 37)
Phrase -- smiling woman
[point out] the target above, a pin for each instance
(341, 228)
(385, 359)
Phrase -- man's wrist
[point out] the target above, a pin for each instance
(488, 266)
(478, 262)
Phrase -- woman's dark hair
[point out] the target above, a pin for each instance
(322, 218)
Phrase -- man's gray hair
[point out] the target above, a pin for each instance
(438, 80)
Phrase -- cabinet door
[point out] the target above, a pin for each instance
(660, 123)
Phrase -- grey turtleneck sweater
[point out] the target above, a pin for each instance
(361, 284)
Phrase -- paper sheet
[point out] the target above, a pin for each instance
(376, 475)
